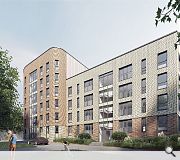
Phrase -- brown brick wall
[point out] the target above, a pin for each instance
(151, 129)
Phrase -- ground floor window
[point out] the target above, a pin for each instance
(88, 128)
(126, 125)
(56, 129)
(162, 122)
(69, 130)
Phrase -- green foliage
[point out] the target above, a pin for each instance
(74, 140)
(148, 143)
(84, 136)
(5, 145)
(119, 136)
(168, 13)
(10, 109)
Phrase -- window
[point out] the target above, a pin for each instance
(69, 91)
(78, 102)
(106, 95)
(56, 77)
(47, 92)
(47, 105)
(56, 90)
(78, 129)
(41, 107)
(69, 117)
(143, 86)
(69, 104)
(162, 123)
(56, 116)
(125, 90)
(125, 72)
(143, 66)
(77, 116)
(143, 105)
(47, 80)
(106, 79)
(88, 128)
(162, 102)
(143, 124)
(24, 100)
(24, 90)
(47, 67)
(77, 89)
(47, 129)
(56, 64)
(41, 82)
(126, 125)
(41, 117)
(162, 80)
(33, 76)
(56, 129)
(24, 80)
(69, 130)
(41, 70)
(41, 130)
(125, 108)
(88, 85)
(88, 100)
(88, 115)
(56, 103)
(106, 111)
(47, 117)
(41, 95)
(162, 60)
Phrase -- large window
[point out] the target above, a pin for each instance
(69, 104)
(78, 102)
(88, 128)
(77, 89)
(56, 65)
(88, 100)
(77, 116)
(47, 105)
(126, 125)
(56, 129)
(41, 70)
(47, 92)
(162, 81)
(69, 117)
(143, 124)
(162, 60)
(56, 116)
(88, 115)
(47, 80)
(143, 105)
(106, 111)
(125, 108)
(69, 91)
(162, 102)
(106, 79)
(69, 130)
(41, 82)
(106, 95)
(47, 67)
(56, 90)
(56, 77)
(143, 86)
(33, 76)
(88, 85)
(162, 123)
(125, 90)
(125, 72)
(47, 117)
(56, 103)
(143, 66)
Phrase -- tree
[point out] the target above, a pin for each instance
(168, 13)
(10, 109)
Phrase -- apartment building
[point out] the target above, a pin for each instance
(136, 92)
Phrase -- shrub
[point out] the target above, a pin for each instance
(119, 136)
(84, 136)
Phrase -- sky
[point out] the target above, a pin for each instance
(93, 31)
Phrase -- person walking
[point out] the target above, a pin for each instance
(12, 140)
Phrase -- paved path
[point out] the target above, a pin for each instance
(73, 147)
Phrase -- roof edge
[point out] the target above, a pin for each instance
(126, 53)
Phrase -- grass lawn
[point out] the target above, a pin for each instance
(5, 145)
